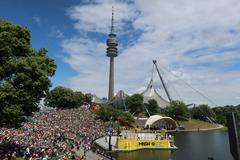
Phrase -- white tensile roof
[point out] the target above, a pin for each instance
(151, 93)
(97, 100)
(152, 120)
(119, 100)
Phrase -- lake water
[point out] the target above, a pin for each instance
(191, 146)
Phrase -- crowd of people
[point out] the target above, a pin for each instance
(60, 134)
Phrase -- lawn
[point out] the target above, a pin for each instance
(196, 124)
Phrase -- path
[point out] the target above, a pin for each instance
(219, 126)
(89, 155)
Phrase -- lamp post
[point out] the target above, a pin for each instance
(110, 132)
(109, 142)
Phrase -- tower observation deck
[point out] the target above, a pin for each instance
(111, 53)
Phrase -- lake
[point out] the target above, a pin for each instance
(191, 146)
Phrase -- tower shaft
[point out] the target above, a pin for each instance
(111, 79)
(112, 52)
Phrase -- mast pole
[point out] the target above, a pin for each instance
(164, 86)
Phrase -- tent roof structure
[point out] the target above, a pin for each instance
(119, 100)
(157, 118)
(97, 100)
(151, 93)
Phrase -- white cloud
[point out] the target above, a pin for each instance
(56, 32)
(37, 20)
(86, 57)
(87, 16)
(170, 30)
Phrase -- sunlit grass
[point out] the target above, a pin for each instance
(196, 124)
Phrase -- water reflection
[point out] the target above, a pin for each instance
(192, 146)
(145, 154)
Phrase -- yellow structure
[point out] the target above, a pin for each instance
(135, 141)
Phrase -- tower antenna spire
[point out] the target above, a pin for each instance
(112, 24)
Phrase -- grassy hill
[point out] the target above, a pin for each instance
(196, 124)
(191, 124)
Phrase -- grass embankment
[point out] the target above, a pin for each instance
(193, 124)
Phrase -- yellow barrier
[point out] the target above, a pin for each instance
(130, 144)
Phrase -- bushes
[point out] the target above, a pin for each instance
(134, 103)
(177, 110)
(152, 106)
(222, 112)
(125, 118)
(202, 111)
(62, 97)
(109, 113)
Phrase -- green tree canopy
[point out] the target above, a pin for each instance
(79, 97)
(125, 118)
(177, 110)
(152, 106)
(221, 113)
(202, 112)
(62, 97)
(24, 73)
(88, 98)
(109, 113)
(134, 103)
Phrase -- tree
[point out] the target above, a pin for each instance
(11, 111)
(222, 112)
(220, 115)
(177, 110)
(79, 98)
(24, 72)
(125, 118)
(135, 103)
(202, 112)
(88, 98)
(109, 113)
(152, 106)
(62, 97)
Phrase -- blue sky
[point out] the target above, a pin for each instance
(48, 23)
(198, 41)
